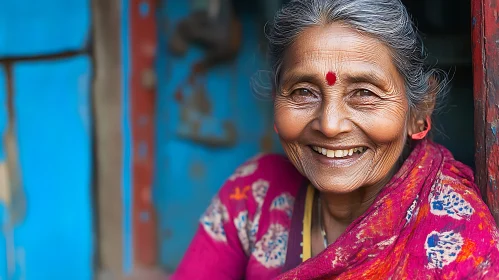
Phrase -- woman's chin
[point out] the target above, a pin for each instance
(340, 186)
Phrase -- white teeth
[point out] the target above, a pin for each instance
(338, 153)
(330, 153)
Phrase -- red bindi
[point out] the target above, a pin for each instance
(330, 78)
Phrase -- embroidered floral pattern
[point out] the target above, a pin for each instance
(252, 228)
(245, 170)
(247, 230)
(270, 250)
(339, 257)
(445, 201)
(214, 218)
(495, 238)
(240, 193)
(410, 211)
(384, 244)
(241, 223)
(260, 188)
(283, 202)
(442, 248)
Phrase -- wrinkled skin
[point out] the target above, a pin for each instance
(365, 107)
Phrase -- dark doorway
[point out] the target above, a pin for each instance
(446, 31)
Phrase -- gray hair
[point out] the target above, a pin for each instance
(385, 20)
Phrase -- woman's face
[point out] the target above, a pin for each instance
(341, 111)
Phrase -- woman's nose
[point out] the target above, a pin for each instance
(333, 121)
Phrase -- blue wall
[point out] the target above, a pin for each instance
(189, 173)
(31, 27)
(53, 239)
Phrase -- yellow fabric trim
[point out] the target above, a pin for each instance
(307, 224)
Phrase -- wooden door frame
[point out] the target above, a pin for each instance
(485, 51)
(142, 52)
(124, 48)
(107, 105)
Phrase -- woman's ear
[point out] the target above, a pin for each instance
(417, 120)
(414, 124)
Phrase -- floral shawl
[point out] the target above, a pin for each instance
(429, 222)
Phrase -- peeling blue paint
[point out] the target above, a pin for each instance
(178, 187)
(143, 120)
(143, 150)
(144, 9)
(144, 216)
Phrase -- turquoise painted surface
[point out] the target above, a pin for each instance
(53, 129)
(127, 179)
(31, 27)
(54, 239)
(188, 174)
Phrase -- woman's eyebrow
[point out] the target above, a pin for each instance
(371, 77)
(293, 77)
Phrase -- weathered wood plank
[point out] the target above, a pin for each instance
(143, 46)
(485, 47)
(108, 135)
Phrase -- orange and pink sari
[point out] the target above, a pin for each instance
(429, 222)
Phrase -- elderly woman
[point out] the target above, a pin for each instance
(362, 193)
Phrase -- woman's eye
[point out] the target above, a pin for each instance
(302, 92)
(363, 93)
(302, 95)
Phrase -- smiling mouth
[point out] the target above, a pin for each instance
(339, 153)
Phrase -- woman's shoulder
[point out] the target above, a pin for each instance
(256, 201)
(262, 174)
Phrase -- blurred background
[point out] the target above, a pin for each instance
(120, 119)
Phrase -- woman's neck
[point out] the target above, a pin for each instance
(340, 210)
(345, 208)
